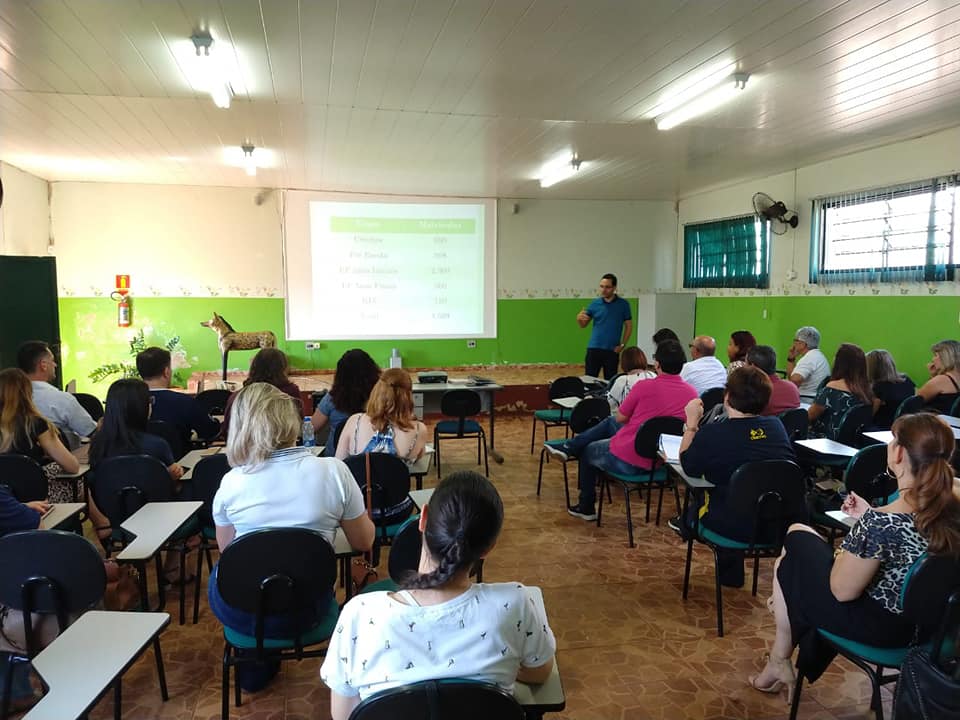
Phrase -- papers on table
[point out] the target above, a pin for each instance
(566, 402)
(884, 436)
(670, 447)
(950, 420)
(841, 516)
(824, 446)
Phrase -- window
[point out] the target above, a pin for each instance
(730, 253)
(904, 233)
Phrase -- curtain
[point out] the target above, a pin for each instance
(731, 253)
(898, 234)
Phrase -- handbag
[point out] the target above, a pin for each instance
(362, 570)
(924, 691)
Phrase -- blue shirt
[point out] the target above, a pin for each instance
(183, 411)
(608, 319)
(335, 418)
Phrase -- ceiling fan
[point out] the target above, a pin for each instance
(775, 212)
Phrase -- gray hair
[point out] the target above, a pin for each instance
(808, 335)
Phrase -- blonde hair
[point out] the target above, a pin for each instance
(391, 401)
(949, 352)
(17, 411)
(881, 368)
(262, 419)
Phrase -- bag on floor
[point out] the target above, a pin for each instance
(925, 691)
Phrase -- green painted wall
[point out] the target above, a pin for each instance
(905, 325)
(529, 331)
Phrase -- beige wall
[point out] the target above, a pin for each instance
(922, 158)
(25, 215)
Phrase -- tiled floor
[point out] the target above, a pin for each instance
(629, 647)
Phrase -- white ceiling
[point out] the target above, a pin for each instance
(470, 97)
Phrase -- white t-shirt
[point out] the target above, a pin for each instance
(813, 368)
(622, 385)
(704, 373)
(484, 634)
(292, 489)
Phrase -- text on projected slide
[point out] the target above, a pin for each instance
(409, 269)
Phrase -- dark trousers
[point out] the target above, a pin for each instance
(597, 360)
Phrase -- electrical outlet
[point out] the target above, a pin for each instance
(471, 344)
(313, 346)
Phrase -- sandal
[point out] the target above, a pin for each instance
(784, 677)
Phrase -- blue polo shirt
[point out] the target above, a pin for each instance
(608, 319)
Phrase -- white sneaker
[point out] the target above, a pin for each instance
(556, 452)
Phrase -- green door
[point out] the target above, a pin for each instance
(28, 305)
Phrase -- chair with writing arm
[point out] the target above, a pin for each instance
(587, 413)
(562, 387)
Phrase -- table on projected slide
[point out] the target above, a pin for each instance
(487, 390)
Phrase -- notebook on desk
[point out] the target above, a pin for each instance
(670, 447)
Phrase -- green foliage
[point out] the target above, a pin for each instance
(126, 369)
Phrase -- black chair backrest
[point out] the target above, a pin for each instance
(770, 495)
(930, 583)
(24, 477)
(213, 402)
(125, 483)
(206, 478)
(711, 397)
(910, 406)
(588, 412)
(277, 571)
(796, 422)
(567, 386)
(955, 408)
(90, 403)
(50, 572)
(405, 550)
(390, 490)
(853, 424)
(647, 441)
(866, 475)
(461, 404)
(171, 434)
(452, 699)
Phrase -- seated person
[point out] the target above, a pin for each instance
(889, 387)
(633, 365)
(856, 592)
(741, 342)
(353, 381)
(179, 409)
(716, 450)
(442, 624)
(24, 431)
(941, 391)
(274, 484)
(784, 395)
(269, 365)
(389, 425)
(664, 334)
(704, 371)
(807, 366)
(847, 388)
(667, 394)
(126, 411)
(61, 408)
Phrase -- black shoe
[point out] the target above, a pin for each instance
(584, 513)
(675, 525)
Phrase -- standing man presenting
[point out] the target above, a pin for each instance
(612, 327)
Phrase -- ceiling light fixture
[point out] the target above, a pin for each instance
(708, 97)
(249, 161)
(211, 76)
(559, 171)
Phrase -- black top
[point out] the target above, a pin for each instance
(719, 449)
(890, 395)
(147, 444)
(183, 411)
(29, 444)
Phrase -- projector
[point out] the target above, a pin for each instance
(431, 377)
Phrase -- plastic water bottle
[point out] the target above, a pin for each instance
(395, 360)
(308, 438)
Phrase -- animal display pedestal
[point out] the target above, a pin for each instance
(229, 339)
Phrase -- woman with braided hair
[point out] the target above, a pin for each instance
(442, 624)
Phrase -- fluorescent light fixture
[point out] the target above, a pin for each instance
(558, 171)
(249, 161)
(206, 71)
(695, 84)
(713, 98)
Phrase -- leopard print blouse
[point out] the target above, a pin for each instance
(893, 539)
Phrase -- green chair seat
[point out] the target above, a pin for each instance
(209, 533)
(553, 416)
(320, 633)
(190, 527)
(713, 538)
(887, 657)
(659, 475)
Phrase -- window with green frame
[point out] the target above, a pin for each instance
(732, 253)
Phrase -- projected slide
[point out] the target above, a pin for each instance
(397, 270)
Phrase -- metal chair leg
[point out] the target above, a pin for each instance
(533, 434)
(566, 484)
(486, 461)
(161, 675)
(540, 471)
(117, 699)
(649, 499)
(225, 685)
(686, 570)
(719, 589)
(795, 700)
(196, 587)
(659, 507)
(603, 481)
(756, 573)
(626, 498)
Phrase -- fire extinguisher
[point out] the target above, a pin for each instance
(123, 309)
